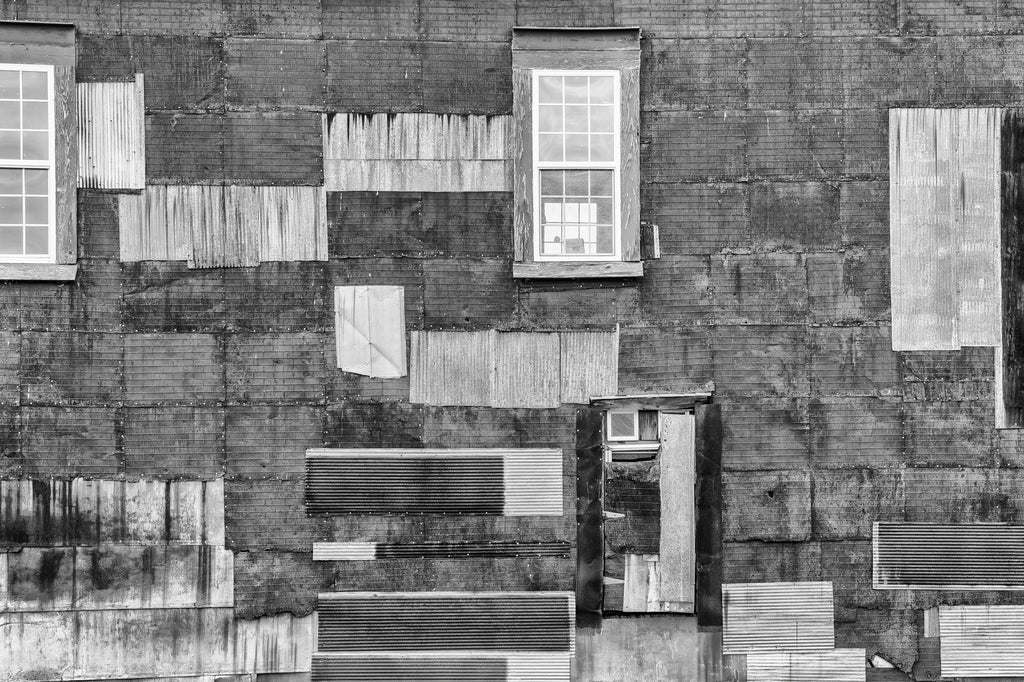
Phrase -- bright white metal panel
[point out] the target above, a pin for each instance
(533, 482)
(344, 551)
(370, 330)
(770, 617)
(112, 135)
(839, 665)
(539, 668)
(981, 641)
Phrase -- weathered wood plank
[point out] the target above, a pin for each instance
(629, 163)
(65, 113)
(522, 164)
(678, 529)
(569, 270)
(42, 272)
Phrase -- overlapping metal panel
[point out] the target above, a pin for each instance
(778, 617)
(446, 621)
(417, 153)
(422, 666)
(506, 482)
(451, 368)
(112, 135)
(927, 556)
(981, 641)
(944, 227)
(368, 551)
(589, 365)
(369, 326)
(839, 665)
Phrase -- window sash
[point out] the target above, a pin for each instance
(614, 166)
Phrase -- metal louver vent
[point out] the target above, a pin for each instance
(776, 617)
(928, 556)
(446, 621)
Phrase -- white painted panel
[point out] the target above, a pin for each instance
(533, 482)
(840, 665)
(370, 330)
(981, 641)
(767, 617)
(344, 551)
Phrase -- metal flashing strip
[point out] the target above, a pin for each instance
(778, 617)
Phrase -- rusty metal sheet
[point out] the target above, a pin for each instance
(590, 365)
(981, 641)
(369, 328)
(112, 135)
(839, 665)
(773, 617)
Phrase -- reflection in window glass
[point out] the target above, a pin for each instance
(577, 216)
(576, 118)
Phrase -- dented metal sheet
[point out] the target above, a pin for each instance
(839, 665)
(112, 135)
(770, 617)
(417, 152)
(521, 482)
(927, 556)
(446, 621)
(944, 227)
(131, 644)
(223, 226)
(369, 327)
(676, 459)
(90, 512)
(589, 365)
(981, 641)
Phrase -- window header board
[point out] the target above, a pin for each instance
(24, 42)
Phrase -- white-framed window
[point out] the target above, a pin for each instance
(576, 167)
(623, 425)
(27, 173)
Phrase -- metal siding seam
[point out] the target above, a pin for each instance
(767, 617)
(840, 665)
(983, 641)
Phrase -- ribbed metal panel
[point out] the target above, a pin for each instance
(839, 665)
(446, 621)
(526, 370)
(982, 641)
(112, 135)
(590, 365)
(368, 551)
(451, 368)
(768, 617)
(426, 481)
(414, 668)
(978, 556)
(539, 668)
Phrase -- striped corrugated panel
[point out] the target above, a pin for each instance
(839, 665)
(770, 617)
(112, 135)
(441, 667)
(926, 556)
(505, 482)
(368, 551)
(982, 641)
(446, 621)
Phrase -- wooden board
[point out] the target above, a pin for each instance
(678, 478)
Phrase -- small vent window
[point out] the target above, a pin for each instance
(632, 434)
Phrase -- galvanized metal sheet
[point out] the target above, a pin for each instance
(840, 665)
(521, 482)
(446, 621)
(526, 370)
(590, 365)
(772, 617)
(970, 556)
(677, 554)
(944, 227)
(417, 153)
(112, 135)
(981, 641)
(369, 551)
(441, 666)
(369, 328)
(451, 368)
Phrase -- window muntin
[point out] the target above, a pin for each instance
(576, 165)
(27, 183)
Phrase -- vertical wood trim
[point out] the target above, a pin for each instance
(65, 114)
(629, 187)
(522, 163)
(678, 474)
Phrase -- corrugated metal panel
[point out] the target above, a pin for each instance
(368, 551)
(767, 617)
(451, 368)
(506, 482)
(526, 370)
(369, 325)
(944, 227)
(112, 135)
(88, 512)
(840, 665)
(223, 226)
(539, 668)
(446, 621)
(978, 556)
(983, 641)
(590, 365)
(677, 549)
(417, 153)
(387, 668)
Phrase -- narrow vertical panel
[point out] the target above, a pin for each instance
(629, 183)
(708, 543)
(526, 370)
(767, 617)
(636, 584)
(922, 244)
(451, 368)
(977, 184)
(111, 135)
(678, 474)
(370, 330)
(1010, 365)
(590, 365)
(522, 164)
(981, 641)
(589, 509)
(65, 113)
(4, 582)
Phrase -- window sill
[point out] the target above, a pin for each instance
(574, 270)
(40, 272)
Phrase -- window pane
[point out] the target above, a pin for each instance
(549, 89)
(36, 146)
(10, 144)
(577, 223)
(605, 239)
(576, 183)
(576, 147)
(551, 183)
(602, 119)
(9, 88)
(35, 240)
(601, 183)
(550, 147)
(10, 115)
(35, 210)
(36, 182)
(35, 115)
(603, 211)
(576, 118)
(576, 89)
(33, 85)
(10, 240)
(10, 181)
(11, 211)
(602, 90)
(602, 148)
(550, 119)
